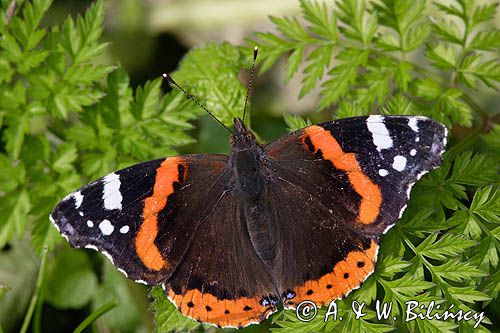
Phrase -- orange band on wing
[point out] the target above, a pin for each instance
(166, 175)
(346, 275)
(371, 197)
(228, 312)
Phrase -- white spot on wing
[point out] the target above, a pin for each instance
(106, 227)
(383, 172)
(380, 134)
(413, 152)
(142, 282)
(124, 229)
(78, 198)
(90, 224)
(413, 123)
(399, 163)
(80, 213)
(111, 192)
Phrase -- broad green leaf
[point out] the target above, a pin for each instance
(18, 272)
(115, 286)
(72, 282)
(211, 75)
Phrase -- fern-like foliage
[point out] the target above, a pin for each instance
(376, 47)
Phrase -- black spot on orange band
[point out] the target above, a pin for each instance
(222, 312)
(345, 276)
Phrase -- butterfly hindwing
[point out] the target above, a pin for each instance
(221, 279)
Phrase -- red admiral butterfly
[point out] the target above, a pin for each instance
(230, 237)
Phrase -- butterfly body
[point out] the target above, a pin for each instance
(229, 237)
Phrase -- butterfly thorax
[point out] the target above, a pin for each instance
(249, 163)
(246, 161)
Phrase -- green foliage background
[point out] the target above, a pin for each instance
(66, 119)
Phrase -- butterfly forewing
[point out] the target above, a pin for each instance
(373, 161)
(135, 215)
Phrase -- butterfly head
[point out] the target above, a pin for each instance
(242, 138)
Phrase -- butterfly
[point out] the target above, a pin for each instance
(229, 238)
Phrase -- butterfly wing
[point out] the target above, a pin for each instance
(142, 217)
(221, 279)
(368, 164)
(339, 185)
(174, 221)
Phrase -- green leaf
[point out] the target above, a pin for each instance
(294, 123)
(407, 286)
(14, 208)
(11, 174)
(360, 24)
(146, 100)
(427, 88)
(81, 38)
(442, 56)
(486, 204)
(318, 61)
(342, 76)
(450, 9)
(468, 294)
(398, 105)
(455, 270)
(390, 266)
(18, 272)
(293, 62)
(486, 40)
(322, 24)
(211, 74)
(72, 282)
(483, 13)
(440, 326)
(403, 18)
(118, 98)
(114, 286)
(44, 235)
(446, 29)
(449, 245)
(474, 169)
(290, 28)
(65, 156)
(167, 317)
(458, 111)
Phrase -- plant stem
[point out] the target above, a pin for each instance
(95, 315)
(38, 287)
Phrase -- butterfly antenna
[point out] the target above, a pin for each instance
(191, 97)
(250, 82)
